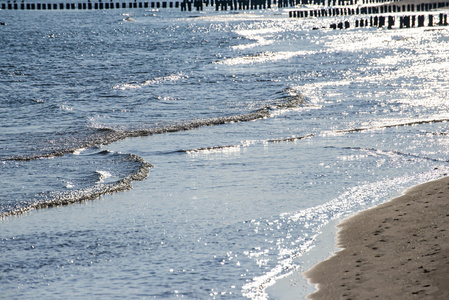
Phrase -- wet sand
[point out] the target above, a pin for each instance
(397, 250)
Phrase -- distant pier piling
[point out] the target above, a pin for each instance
(89, 5)
(344, 8)
(406, 21)
(184, 5)
(382, 13)
(329, 8)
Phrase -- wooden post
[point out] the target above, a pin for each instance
(390, 22)
(381, 21)
(407, 21)
(421, 21)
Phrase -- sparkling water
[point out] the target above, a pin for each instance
(204, 151)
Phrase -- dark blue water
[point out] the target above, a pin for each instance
(206, 151)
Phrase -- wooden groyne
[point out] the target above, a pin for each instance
(87, 5)
(185, 5)
(406, 21)
(380, 14)
(238, 4)
(334, 7)
(367, 10)
(228, 4)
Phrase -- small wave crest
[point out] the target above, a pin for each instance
(103, 175)
(230, 148)
(261, 58)
(154, 81)
(235, 148)
(292, 99)
(395, 152)
(78, 151)
(295, 138)
(67, 179)
(394, 124)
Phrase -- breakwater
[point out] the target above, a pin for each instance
(185, 5)
(381, 15)
(87, 5)
(365, 10)
(406, 21)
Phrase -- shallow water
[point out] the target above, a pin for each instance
(242, 134)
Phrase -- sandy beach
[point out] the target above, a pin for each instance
(397, 250)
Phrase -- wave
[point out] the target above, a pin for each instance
(106, 135)
(394, 152)
(154, 81)
(129, 166)
(105, 183)
(102, 181)
(103, 175)
(212, 149)
(293, 99)
(81, 146)
(291, 139)
(243, 144)
(310, 135)
(411, 123)
(262, 57)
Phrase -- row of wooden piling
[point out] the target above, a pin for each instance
(390, 21)
(340, 2)
(366, 10)
(228, 4)
(184, 5)
(236, 4)
(87, 6)
(376, 3)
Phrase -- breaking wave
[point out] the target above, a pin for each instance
(85, 151)
(261, 58)
(154, 81)
(310, 135)
(105, 182)
(411, 123)
(105, 135)
(84, 182)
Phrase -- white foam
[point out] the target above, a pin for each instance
(262, 57)
(79, 151)
(154, 81)
(103, 175)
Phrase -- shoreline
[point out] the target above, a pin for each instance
(396, 250)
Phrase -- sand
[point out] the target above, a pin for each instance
(397, 250)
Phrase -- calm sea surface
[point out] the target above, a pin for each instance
(212, 147)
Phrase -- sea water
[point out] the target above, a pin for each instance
(201, 154)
